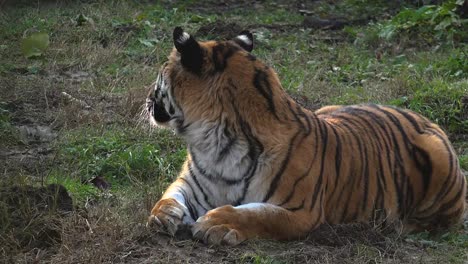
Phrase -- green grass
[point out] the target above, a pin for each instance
(260, 259)
(464, 162)
(79, 190)
(122, 156)
(439, 101)
(454, 243)
(8, 133)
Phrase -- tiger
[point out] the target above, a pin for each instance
(260, 166)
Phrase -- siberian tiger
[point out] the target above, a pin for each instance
(261, 166)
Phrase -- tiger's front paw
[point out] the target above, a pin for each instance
(218, 227)
(166, 216)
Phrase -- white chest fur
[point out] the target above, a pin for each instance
(224, 164)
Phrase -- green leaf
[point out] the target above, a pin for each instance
(444, 24)
(387, 32)
(197, 19)
(148, 42)
(35, 44)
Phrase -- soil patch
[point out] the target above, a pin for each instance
(30, 216)
(348, 243)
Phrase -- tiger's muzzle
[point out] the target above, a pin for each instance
(157, 110)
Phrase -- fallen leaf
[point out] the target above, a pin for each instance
(35, 44)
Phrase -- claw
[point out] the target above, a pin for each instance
(152, 221)
(166, 217)
(231, 238)
(196, 231)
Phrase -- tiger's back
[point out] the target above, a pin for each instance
(399, 166)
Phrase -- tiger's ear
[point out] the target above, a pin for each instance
(191, 53)
(245, 40)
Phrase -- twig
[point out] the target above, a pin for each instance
(89, 226)
(73, 99)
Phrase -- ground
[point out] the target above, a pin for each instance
(73, 79)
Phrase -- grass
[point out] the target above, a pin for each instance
(8, 134)
(89, 86)
(464, 162)
(122, 155)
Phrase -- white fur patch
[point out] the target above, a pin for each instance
(252, 206)
(183, 38)
(245, 39)
(156, 83)
(181, 200)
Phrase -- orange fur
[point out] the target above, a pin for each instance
(340, 164)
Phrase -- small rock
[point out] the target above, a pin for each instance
(36, 133)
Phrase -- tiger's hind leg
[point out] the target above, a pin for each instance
(232, 225)
(443, 202)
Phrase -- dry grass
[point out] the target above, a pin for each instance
(113, 231)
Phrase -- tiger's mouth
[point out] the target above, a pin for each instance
(157, 111)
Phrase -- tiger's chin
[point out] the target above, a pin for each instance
(173, 123)
(158, 115)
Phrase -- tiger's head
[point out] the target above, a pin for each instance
(214, 82)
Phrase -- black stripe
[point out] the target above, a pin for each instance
(382, 133)
(255, 150)
(300, 110)
(307, 132)
(365, 172)
(400, 177)
(227, 147)
(231, 85)
(171, 109)
(444, 207)
(300, 113)
(410, 118)
(296, 117)
(447, 186)
(375, 144)
(296, 182)
(251, 57)
(194, 177)
(299, 207)
(221, 54)
(453, 215)
(313, 159)
(181, 128)
(279, 174)
(319, 216)
(263, 86)
(213, 178)
(424, 166)
(318, 184)
(362, 171)
(306, 173)
(378, 144)
(193, 213)
(195, 196)
(364, 153)
(337, 161)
